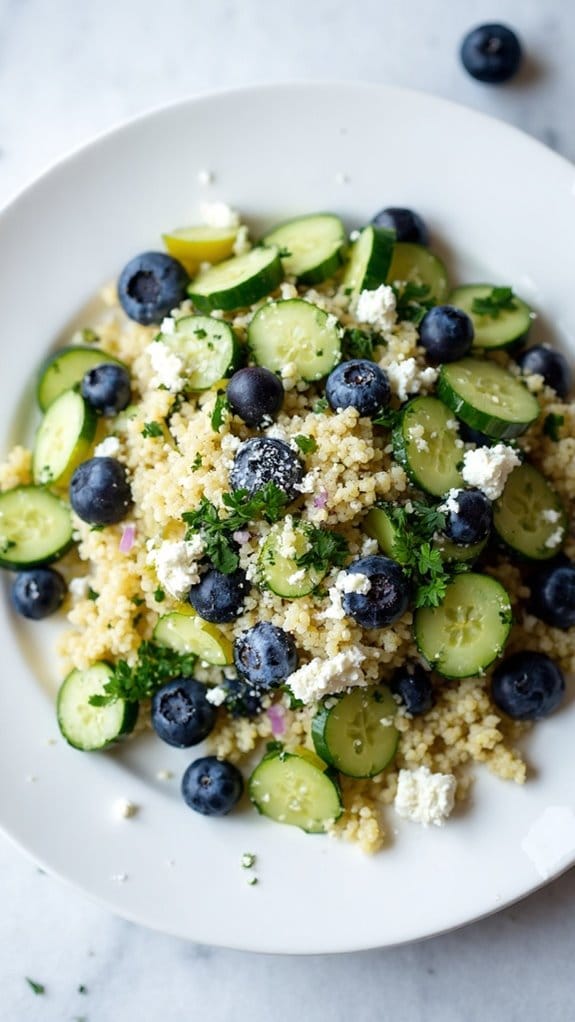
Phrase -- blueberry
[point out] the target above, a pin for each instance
(473, 436)
(99, 491)
(211, 786)
(358, 384)
(491, 53)
(107, 388)
(407, 224)
(263, 460)
(446, 333)
(548, 363)
(38, 592)
(150, 286)
(468, 516)
(527, 686)
(218, 597)
(254, 393)
(413, 685)
(265, 655)
(242, 698)
(181, 713)
(387, 597)
(553, 594)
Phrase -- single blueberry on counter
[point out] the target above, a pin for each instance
(107, 388)
(388, 595)
(211, 786)
(263, 460)
(265, 655)
(219, 598)
(181, 713)
(99, 491)
(413, 685)
(38, 592)
(446, 333)
(548, 363)
(468, 516)
(553, 594)
(359, 384)
(407, 224)
(150, 286)
(491, 53)
(527, 686)
(254, 393)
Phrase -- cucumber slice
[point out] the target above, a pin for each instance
(293, 788)
(426, 447)
(35, 527)
(453, 552)
(282, 574)
(63, 439)
(88, 727)
(369, 260)
(508, 327)
(192, 246)
(208, 348)
(64, 369)
(521, 514)
(188, 633)
(417, 265)
(469, 629)
(379, 525)
(357, 736)
(487, 397)
(239, 282)
(295, 331)
(315, 244)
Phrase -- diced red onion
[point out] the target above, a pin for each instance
(241, 536)
(128, 537)
(321, 499)
(277, 719)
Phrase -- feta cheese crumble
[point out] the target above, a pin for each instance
(290, 372)
(124, 809)
(325, 677)
(352, 582)
(450, 503)
(377, 308)
(423, 797)
(242, 244)
(407, 378)
(555, 538)
(288, 546)
(176, 565)
(109, 448)
(167, 366)
(216, 695)
(488, 468)
(219, 214)
(79, 587)
(550, 515)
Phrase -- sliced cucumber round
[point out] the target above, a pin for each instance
(295, 789)
(454, 552)
(88, 727)
(369, 261)
(282, 574)
(379, 525)
(487, 397)
(415, 264)
(426, 447)
(239, 282)
(189, 633)
(207, 347)
(493, 331)
(295, 331)
(63, 439)
(35, 527)
(529, 516)
(65, 369)
(469, 629)
(357, 735)
(313, 246)
(192, 246)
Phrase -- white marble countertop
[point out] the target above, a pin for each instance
(67, 71)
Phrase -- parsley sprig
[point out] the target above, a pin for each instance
(412, 301)
(499, 300)
(358, 343)
(154, 667)
(240, 508)
(412, 548)
(326, 549)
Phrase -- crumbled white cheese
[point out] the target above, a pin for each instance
(334, 610)
(555, 538)
(331, 321)
(205, 177)
(550, 515)
(219, 214)
(325, 677)
(406, 378)
(176, 564)
(168, 326)
(354, 235)
(289, 373)
(352, 582)
(109, 448)
(167, 367)
(369, 546)
(164, 775)
(124, 809)
(450, 504)
(489, 467)
(290, 541)
(216, 695)
(377, 308)
(242, 244)
(287, 291)
(79, 587)
(424, 797)
(417, 435)
(297, 577)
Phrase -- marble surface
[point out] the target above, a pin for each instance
(67, 71)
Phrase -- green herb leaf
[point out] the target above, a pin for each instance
(320, 406)
(412, 548)
(412, 301)
(240, 509)
(197, 462)
(37, 988)
(552, 425)
(89, 336)
(154, 667)
(159, 595)
(306, 444)
(326, 549)
(388, 418)
(220, 411)
(359, 344)
(497, 301)
(152, 429)
(92, 594)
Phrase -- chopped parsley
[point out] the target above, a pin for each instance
(200, 334)
(159, 595)
(197, 462)
(92, 594)
(499, 299)
(358, 344)
(388, 418)
(306, 444)
(326, 549)
(137, 601)
(152, 429)
(412, 301)
(37, 988)
(82, 989)
(240, 509)
(155, 666)
(552, 424)
(89, 336)
(412, 548)
(220, 411)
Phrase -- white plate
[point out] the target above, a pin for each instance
(504, 207)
